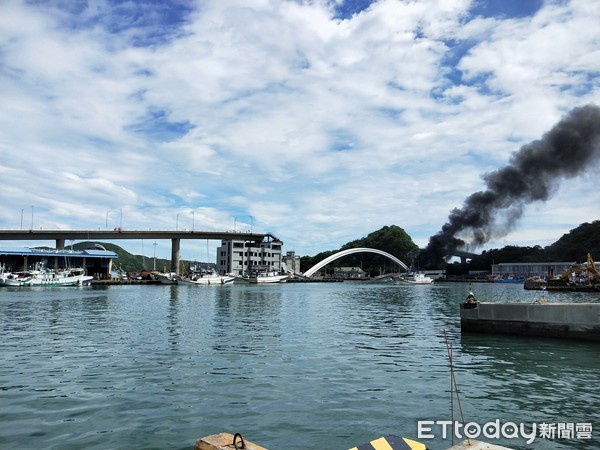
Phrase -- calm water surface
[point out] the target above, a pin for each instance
(292, 366)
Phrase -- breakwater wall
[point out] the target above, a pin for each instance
(559, 320)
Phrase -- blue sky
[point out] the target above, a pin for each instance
(318, 121)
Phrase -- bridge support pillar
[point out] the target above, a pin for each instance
(175, 255)
(60, 244)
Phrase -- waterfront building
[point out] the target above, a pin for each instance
(530, 270)
(96, 262)
(348, 273)
(291, 262)
(242, 257)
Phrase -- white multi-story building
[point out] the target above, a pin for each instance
(241, 257)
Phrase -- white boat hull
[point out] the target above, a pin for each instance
(416, 282)
(209, 280)
(417, 278)
(268, 279)
(46, 279)
(167, 278)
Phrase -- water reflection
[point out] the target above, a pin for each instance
(533, 380)
(252, 312)
(291, 366)
(173, 327)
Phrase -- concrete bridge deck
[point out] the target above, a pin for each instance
(60, 236)
(116, 234)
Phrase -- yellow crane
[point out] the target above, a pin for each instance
(592, 275)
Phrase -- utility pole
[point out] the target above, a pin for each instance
(155, 244)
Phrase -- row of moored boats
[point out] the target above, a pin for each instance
(44, 276)
(201, 276)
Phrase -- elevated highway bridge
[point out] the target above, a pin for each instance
(60, 236)
(463, 255)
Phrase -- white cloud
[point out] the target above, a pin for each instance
(322, 129)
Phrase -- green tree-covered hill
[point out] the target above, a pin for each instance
(577, 243)
(391, 239)
(129, 262)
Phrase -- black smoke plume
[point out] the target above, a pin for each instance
(569, 148)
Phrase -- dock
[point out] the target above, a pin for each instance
(578, 321)
(543, 285)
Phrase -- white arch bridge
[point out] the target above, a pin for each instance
(350, 251)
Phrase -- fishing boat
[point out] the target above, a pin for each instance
(267, 277)
(167, 278)
(42, 276)
(510, 279)
(416, 278)
(205, 277)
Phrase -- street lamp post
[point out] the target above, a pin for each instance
(31, 218)
(251, 223)
(193, 218)
(155, 244)
(120, 217)
(177, 223)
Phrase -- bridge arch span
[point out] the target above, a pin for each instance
(350, 251)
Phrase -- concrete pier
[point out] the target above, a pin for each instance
(559, 320)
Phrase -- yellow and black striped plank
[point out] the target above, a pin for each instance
(391, 442)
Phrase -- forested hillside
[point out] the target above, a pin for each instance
(391, 239)
(573, 246)
(133, 263)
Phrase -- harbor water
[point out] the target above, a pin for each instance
(290, 366)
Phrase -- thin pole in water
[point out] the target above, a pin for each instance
(454, 387)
